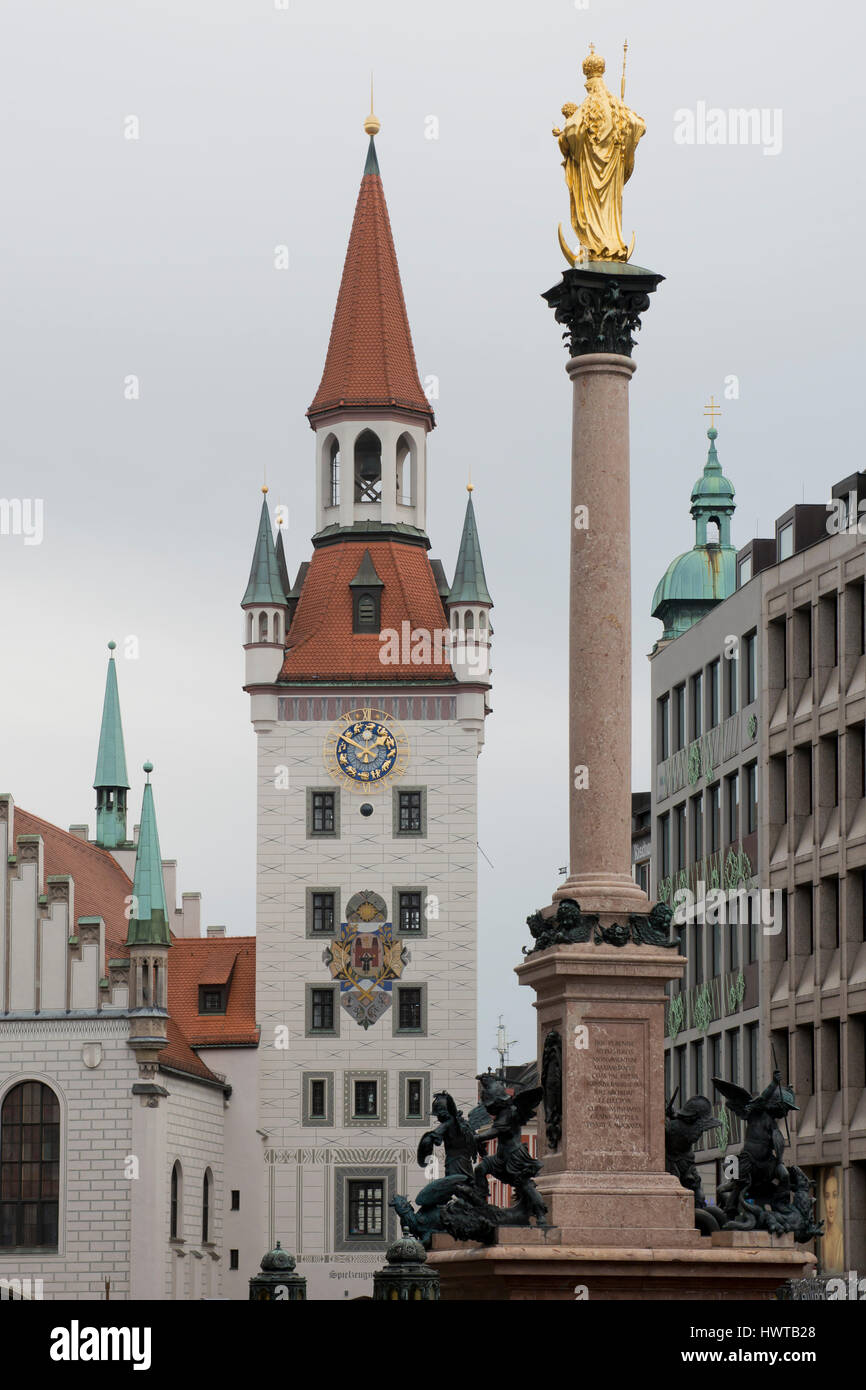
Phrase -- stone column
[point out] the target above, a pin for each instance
(600, 306)
(600, 973)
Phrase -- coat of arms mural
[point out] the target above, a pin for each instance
(365, 959)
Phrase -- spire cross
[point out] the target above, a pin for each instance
(712, 410)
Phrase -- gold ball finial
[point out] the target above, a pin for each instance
(372, 124)
(593, 63)
(470, 487)
(264, 487)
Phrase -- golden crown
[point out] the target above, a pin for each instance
(593, 65)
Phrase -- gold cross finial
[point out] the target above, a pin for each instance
(712, 410)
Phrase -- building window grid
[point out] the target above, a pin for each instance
(409, 812)
(323, 913)
(366, 1208)
(323, 813)
(409, 906)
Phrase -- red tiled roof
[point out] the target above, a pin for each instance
(179, 1055)
(370, 361)
(211, 960)
(101, 890)
(321, 644)
(101, 886)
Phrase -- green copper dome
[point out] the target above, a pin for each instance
(705, 575)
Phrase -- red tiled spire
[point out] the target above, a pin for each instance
(370, 361)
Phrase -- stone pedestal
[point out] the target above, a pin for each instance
(660, 1274)
(604, 1178)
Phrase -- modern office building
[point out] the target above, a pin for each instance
(759, 790)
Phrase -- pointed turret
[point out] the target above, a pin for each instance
(370, 362)
(265, 604)
(264, 584)
(111, 781)
(470, 584)
(370, 413)
(148, 939)
(469, 605)
(148, 924)
(282, 567)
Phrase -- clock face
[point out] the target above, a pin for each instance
(365, 748)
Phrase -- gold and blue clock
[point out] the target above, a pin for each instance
(365, 749)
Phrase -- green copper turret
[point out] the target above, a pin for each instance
(264, 583)
(111, 781)
(149, 924)
(470, 584)
(695, 582)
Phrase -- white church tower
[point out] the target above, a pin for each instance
(367, 744)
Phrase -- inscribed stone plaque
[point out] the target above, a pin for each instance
(612, 1091)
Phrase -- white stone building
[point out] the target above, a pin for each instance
(130, 1165)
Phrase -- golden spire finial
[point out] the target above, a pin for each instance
(712, 410)
(372, 124)
(622, 84)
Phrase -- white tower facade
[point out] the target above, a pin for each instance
(367, 759)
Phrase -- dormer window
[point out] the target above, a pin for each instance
(366, 611)
(366, 590)
(212, 999)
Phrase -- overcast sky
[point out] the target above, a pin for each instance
(154, 257)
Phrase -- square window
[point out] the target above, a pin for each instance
(366, 1098)
(409, 905)
(318, 1099)
(366, 1208)
(410, 1010)
(323, 913)
(322, 1010)
(212, 999)
(409, 813)
(323, 813)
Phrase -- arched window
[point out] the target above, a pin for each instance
(276, 627)
(30, 1171)
(368, 467)
(334, 475)
(482, 619)
(175, 1210)
(470, 622)
(263, 627)
(405, 472)
(249, 627)
(206, 1195)
(714, 531)
(367, 610)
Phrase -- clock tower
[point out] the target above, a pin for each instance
(369, 684)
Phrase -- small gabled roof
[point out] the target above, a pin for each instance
(111, 757)
(470, 585)
(264, 584)
(366, 576)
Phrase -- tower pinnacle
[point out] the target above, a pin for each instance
(111, 781)
(149, 924)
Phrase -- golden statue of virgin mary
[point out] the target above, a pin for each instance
(598, 143)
